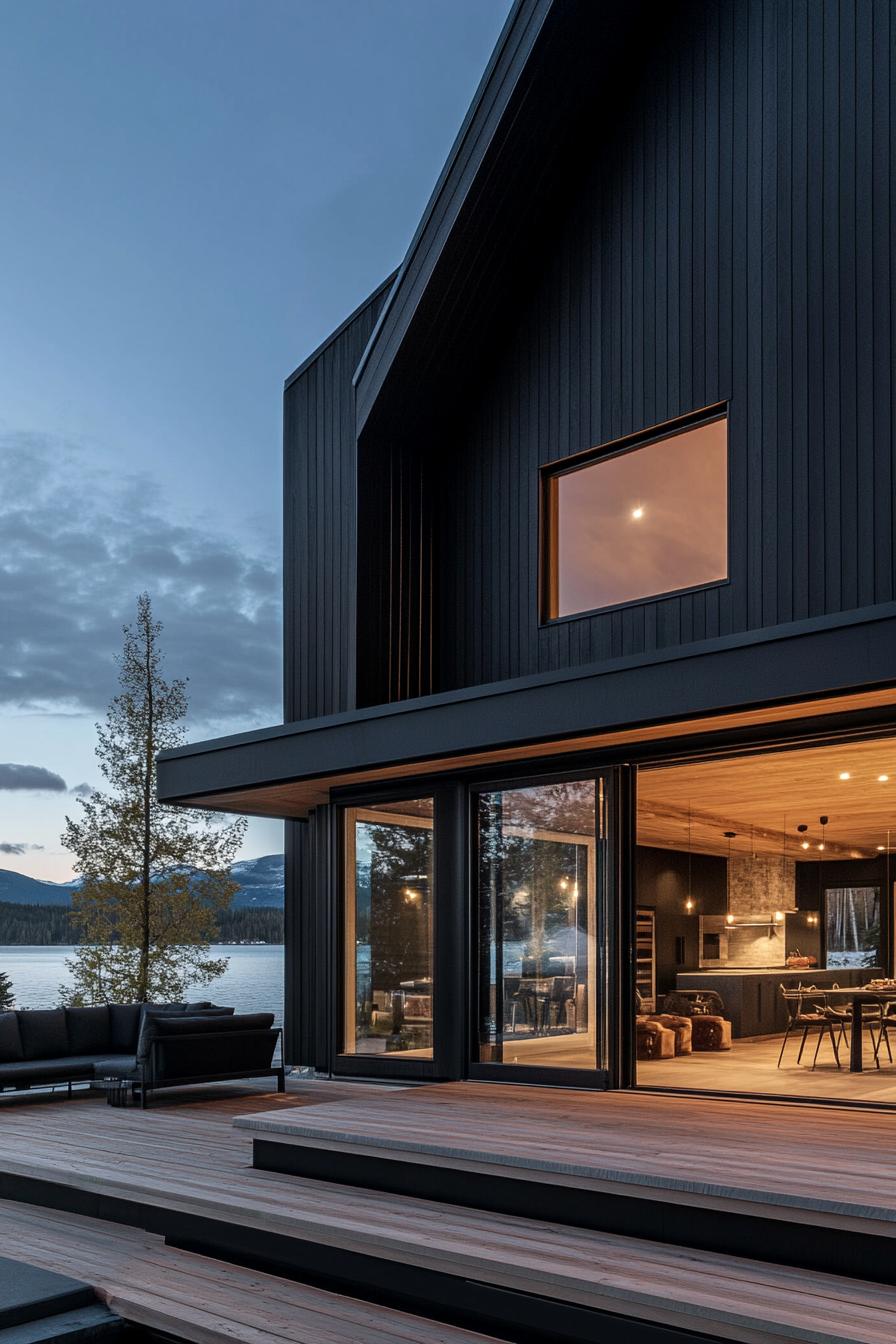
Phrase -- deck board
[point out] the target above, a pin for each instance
(189, 1158)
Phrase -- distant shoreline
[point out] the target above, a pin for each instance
(51, 926)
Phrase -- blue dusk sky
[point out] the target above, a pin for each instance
(195, 192)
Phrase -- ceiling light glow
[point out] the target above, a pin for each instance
(638, 511)
(844, 774)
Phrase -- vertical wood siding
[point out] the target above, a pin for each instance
(396, 593)
(320, 526)
(730, 238)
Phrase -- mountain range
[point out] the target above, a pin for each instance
(260, 884)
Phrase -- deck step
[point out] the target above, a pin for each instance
(555, 1282)
(615, 1163)
(94, 1324)
(201, 1300)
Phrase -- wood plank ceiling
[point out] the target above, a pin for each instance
(765, 797)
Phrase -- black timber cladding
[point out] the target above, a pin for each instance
(722, 233)
(319, 521)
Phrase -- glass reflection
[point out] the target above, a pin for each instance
(537, 902)
(388, 929)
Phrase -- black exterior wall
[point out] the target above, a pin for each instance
(722, 234)
(729, 238)
(320, 542)
(719, 232)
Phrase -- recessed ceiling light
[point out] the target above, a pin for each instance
(844, 774)
(882, 779)
(821, 846)
(804, 845)
(881, 848)
(638, 512)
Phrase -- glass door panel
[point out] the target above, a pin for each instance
(389, 898)
(538, 926)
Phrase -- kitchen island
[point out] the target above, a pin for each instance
(752, 996)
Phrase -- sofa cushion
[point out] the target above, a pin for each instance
(10, 1039)
(124, 1024)
(89, 1030)
(44, 1033)
(116, 1066)
(212, 1021)
(150, 1013)
(67, 1068)
(154, 1013)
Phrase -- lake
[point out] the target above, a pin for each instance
(253, 981)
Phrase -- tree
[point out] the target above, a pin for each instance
(153, 878)
(7, 998)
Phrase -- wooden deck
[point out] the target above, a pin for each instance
(183, 1171)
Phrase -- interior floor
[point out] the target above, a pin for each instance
(751, 1066)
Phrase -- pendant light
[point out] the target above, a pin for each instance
(822, 821)
(778, 916)
(729, 918)
(689, 903)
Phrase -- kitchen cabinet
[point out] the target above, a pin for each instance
(752, 998)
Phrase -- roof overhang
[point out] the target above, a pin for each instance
(818, 669)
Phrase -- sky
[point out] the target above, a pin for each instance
(194, 195)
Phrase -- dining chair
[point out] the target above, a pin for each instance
(886, 1024)
(805, 1015)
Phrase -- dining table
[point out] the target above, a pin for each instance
(859, 996)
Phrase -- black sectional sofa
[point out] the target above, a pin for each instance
(147, 1046)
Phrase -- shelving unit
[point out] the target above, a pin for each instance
(645, 957)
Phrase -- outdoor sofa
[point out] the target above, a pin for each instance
(141, 1046)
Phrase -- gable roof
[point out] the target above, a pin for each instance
(551, 56)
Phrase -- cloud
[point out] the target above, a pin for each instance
(33, 777)
(7, 848)
(81, 790)
(76, 547)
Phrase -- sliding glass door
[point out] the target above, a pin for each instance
(540, 942)
(388, 927)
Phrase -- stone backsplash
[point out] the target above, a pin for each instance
(755, 946)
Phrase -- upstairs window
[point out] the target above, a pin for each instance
(637, 520)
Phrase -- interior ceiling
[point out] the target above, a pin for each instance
(764, 797)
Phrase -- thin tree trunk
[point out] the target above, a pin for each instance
(143, 987)
(853, 922)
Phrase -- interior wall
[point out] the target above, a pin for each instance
(661, 884)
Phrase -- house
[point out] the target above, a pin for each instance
(588, 763)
